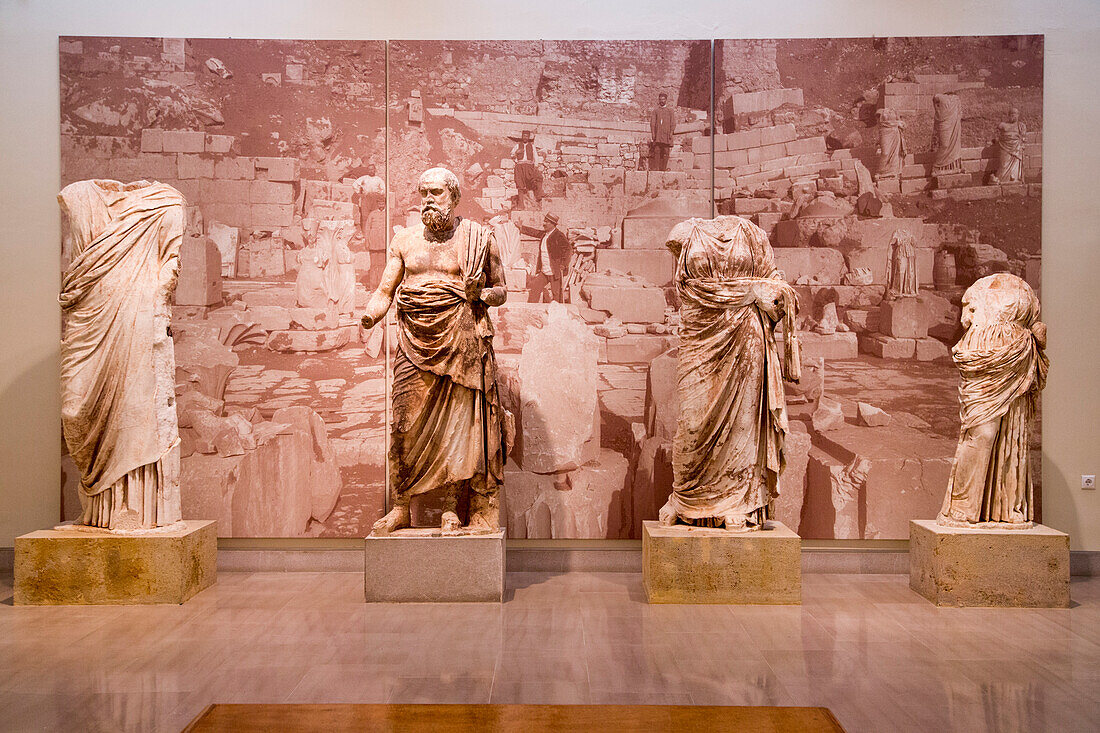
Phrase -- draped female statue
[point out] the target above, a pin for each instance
(947, 134)
(728, 451)
(1009, 140)
(901, 275)
(891, 144)
(117, 362)
(1002, 361)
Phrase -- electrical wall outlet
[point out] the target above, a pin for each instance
(1088, 481)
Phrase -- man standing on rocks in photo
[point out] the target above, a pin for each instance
(661, 125)
(527, 173)
(447, 430)
(551, 260)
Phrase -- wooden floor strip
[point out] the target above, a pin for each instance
(513, 718)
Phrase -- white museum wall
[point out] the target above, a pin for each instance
(29, 172)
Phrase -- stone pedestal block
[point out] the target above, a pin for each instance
(424, 566)
(682, 564)
(903, 318)
(1013, 568)
(88, 567)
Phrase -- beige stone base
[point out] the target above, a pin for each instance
(682, 564)
(1015, 568)
(87, 567)
(423, 566)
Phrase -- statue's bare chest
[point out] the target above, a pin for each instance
(427, 259)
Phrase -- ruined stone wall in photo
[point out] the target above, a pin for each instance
(586, 102)
(281, 408)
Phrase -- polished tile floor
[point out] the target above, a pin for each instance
(880, 656)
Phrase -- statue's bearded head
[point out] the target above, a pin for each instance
(439, 195)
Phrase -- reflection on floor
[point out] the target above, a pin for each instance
(865, 646)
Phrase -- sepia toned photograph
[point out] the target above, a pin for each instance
(890, 174)
(886, 181)
(278, 148)
(580, 156)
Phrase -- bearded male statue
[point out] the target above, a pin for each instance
(447, 427)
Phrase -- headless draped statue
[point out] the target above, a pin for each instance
(1009, 140)
(728, 452)
(891, 144)
(901, 275)
(947, 134)
(447, 429)
(1003, 367)
(117, 363)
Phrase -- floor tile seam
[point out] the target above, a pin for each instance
(290, 695)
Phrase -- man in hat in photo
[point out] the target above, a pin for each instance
(551, 260)
(661, 124)
(528, 175)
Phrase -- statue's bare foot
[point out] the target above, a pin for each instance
(482, 522)
(397, 518)
(484, 512)
(450, 522)
(667, 516)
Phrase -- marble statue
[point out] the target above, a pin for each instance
(447, 429)
(947, 134)
(326, 269)
(370, 198)
(118, 366)
(309, 285)
(339, 273)
(901, 277)
(891, 143)
(1009, 140)
(1002, 361)
(728, 452)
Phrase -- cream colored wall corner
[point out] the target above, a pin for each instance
(29, 173)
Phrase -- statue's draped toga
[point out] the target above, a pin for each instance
(1003, 367)
(729, 446)
(447, 424)
(117, 363)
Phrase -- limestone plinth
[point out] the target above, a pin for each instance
(682, 564)
(426, 566)
(1015, 568)
(95, 567)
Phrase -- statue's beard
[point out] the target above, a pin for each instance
(435, 219)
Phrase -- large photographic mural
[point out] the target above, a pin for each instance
(889, 174)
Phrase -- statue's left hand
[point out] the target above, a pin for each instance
(769, 299)
(474, 286)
